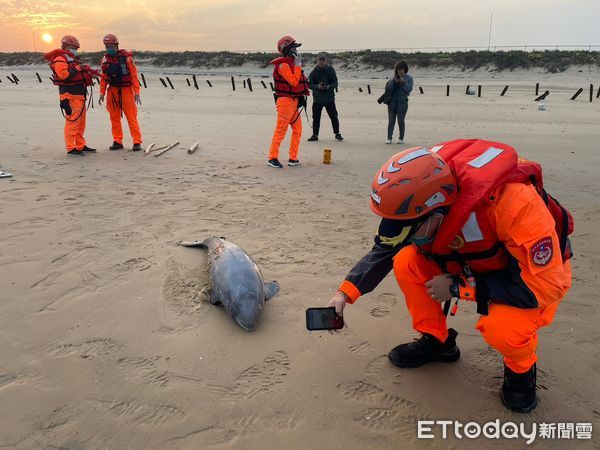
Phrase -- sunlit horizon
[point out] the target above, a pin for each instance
(237, 25)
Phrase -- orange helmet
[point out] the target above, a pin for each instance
(286, 41)
(110, 39)
(411, 185)
(70, 41)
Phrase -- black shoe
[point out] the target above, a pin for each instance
(339, 137)
(293, 162)
(518, 390)
(136, 147)
(75, 152)
(115, 146)
(275, 163)
(424, 350)
(88, 149)
(313, 138)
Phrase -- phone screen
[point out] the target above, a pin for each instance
(323, 319)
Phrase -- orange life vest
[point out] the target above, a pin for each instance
(282, 87)
(481, 167)
(115, 69)
(81, 77)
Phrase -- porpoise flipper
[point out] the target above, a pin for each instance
(271, 289)
(196, 244)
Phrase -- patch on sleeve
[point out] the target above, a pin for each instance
(541, 251)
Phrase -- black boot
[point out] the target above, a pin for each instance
(115, 146)
(88, 149)
(518, 391)
(313, 138)
(424, 350)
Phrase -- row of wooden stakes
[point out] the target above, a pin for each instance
(247, 83)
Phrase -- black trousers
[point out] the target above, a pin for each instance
(398, 114)
(317, 108)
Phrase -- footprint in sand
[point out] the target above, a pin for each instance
(144, 369)
(139, 264)
(259, 379)
(132, 411)
(483, 368)
(280, 421)
(89, 348)
(361, 347)
(384, 412)
(383, 305)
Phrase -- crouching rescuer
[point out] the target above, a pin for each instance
(123, 94)
(468, 220)
(73, 80)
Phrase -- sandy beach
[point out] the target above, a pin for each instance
(106, 337)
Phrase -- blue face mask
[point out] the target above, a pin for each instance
(111, 51)
(74, 51)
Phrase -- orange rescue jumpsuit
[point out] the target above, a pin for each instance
(521, 221)
(75, 122)
(118, 97)
(287, 115)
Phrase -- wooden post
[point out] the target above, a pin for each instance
(591, 93)
(369, 89)
(263, 83)
(170, 84)
(233, 83)
(537, 88)
(250, 84)
(479, 91)
(577, 94)
(421, 90)
(244, 83)
(208, 82)
(10, 79)
(543, 96)
(195, 82)
(15, 78)
(359, 89)
(163, 82)
(38, 77)
(188, 82)
(447, 90)
(144, 81)
(272, 87)
(598, 94)
(504, 91)
(467, 91)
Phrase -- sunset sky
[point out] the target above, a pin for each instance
(319, 24)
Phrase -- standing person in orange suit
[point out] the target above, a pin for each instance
(120, 74)
(72, 79)
(469, 220)
(291, 90)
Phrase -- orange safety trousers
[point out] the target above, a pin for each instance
(287, 115)
(116, 99)
(511, 331)
(75, 122)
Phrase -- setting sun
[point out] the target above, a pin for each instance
(47, 38)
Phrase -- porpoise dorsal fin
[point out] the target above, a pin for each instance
(195, 244)
(271, 289)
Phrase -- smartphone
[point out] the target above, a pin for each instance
(323, 319)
